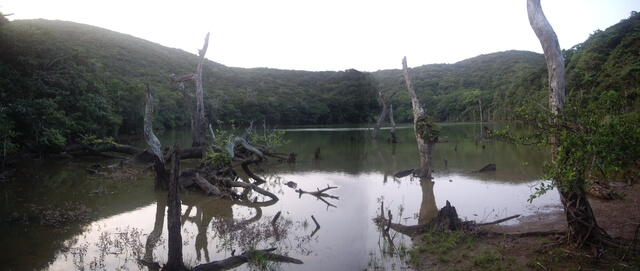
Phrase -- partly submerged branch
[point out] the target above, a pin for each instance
(235, 261)
(319, 194)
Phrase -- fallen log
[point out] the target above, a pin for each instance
(403, 173)
(447, 219)
(499, 220)
(235, 261)
(209, 188)
(488, 167)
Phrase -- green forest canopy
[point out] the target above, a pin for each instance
(61, 80)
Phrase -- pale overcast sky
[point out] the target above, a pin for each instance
(334, 34)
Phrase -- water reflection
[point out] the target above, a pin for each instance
(344, 237)
(428, 208)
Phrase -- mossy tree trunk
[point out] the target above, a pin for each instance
(425, 128)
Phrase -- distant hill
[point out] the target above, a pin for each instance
(61, 80)
(450, 92)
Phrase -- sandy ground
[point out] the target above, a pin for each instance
(510, 250)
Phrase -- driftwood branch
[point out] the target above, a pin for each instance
(319, 194)
(499, 220)
(235, 261)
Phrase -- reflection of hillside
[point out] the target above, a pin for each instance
(34, 246)
(352, 152)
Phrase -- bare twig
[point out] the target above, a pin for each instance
(317, 226)
(275, 218)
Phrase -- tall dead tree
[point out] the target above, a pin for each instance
(582, 226)
(385, 103)
(174, 259)
(198, 120)
(424, 126)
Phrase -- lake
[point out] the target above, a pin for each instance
(122, 218)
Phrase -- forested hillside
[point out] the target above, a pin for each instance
(607, 66)
(60, 80)
(453, 92)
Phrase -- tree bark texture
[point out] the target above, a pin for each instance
(198, 120)
(151, 138)
(552, 54)
(581, 222)
(425, 148)
(201, 123)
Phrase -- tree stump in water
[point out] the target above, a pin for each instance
(447, 219)
(392, 138)
(292, 158)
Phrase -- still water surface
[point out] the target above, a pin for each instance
(126, 214)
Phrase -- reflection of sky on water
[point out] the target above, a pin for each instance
(362, 171)
(347, 239)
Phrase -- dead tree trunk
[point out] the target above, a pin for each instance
(392, 137)
(385, 102)
(425, 129)
(174, 261)
(198, 120)
(154, 143)
(581, 222)
(200, 131)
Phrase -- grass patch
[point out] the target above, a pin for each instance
(442, 245)
(459, 250)
(446, 241)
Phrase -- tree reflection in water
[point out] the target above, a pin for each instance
(214, 220)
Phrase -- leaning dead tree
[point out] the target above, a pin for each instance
(385, 100)
(581, 222)
(198, 120)
(424, 126)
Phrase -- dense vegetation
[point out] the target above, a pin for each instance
(599, 128)
(60, 81)
(453, 92)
